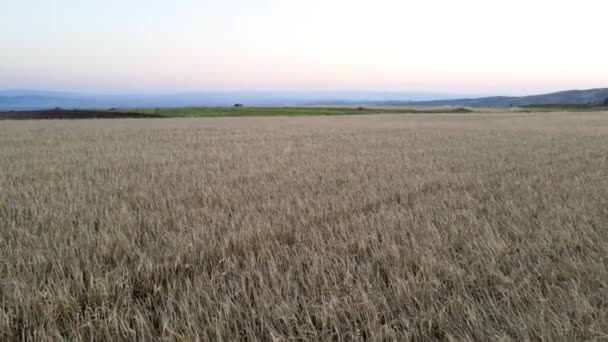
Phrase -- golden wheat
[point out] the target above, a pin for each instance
(389, 227)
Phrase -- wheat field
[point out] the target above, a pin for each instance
(423, 227)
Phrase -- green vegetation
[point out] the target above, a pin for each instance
(281, 111)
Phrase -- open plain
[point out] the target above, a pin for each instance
(370, 227)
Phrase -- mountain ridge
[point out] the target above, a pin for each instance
(582, 97)
(42, 99)
(34, 99)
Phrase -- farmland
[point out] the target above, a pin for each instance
(365, 227)
(214, 112)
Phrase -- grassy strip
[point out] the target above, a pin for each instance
(278, 111)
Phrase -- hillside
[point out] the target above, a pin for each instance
(591, 96)
(42, 100)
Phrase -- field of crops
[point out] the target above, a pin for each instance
(381, 227)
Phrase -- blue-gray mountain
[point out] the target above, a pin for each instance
(34, 99)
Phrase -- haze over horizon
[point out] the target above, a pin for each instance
(468, 47)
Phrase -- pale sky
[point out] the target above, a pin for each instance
(480, 46)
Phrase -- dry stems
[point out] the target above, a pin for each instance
(396, 227)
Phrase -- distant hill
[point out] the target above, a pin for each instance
(41, 99)
(591, 96)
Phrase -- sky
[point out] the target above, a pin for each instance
(465, 46)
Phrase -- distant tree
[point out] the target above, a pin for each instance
(605, 103)
(238, 105)
(360, 108)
